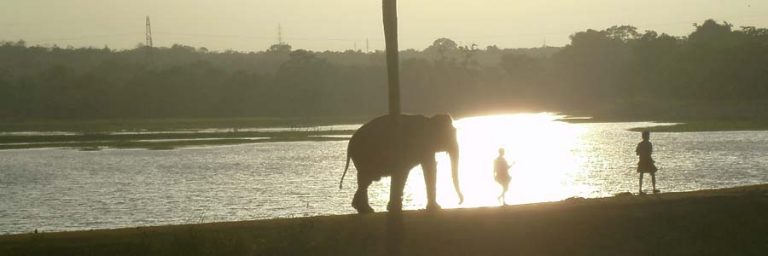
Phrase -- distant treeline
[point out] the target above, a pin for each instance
(715, 71)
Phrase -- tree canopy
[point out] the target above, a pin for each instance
(717, 70)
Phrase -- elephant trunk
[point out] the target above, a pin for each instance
(454, 154)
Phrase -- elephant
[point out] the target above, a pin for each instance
(372, 150)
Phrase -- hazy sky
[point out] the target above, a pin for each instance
(251, 25)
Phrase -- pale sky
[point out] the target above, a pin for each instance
(251, 25)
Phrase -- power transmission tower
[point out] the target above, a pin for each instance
(149, 34)
(280, 34)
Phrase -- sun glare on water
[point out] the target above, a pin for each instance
(538, 147)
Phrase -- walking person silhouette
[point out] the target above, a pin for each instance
(501, 174)
(646, 164)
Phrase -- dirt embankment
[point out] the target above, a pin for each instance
(713, 222)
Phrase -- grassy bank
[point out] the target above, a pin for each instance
(710, 126)
(682, 125)
(166, 140)
(170, 124)
(714, 222)
(165, 133)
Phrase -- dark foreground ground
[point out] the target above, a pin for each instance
(715, 222)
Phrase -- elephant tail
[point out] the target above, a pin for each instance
(345, 172)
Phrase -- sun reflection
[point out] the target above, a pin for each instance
(538, 146)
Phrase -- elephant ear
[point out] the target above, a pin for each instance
(442, 122)
(443, 131)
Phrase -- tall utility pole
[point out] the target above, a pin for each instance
(280, 34)
(149, 34)
(395, 229)
(393, 60)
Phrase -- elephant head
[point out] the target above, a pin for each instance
(392, 146)
(445, 140)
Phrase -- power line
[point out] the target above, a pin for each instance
(281, 38)
(48, 40)
(257, 37)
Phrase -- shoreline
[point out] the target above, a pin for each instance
(164, 137)
(719, 221)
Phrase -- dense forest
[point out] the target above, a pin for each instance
(716, 71)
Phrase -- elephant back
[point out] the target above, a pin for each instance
(373, 144)
(383, 127)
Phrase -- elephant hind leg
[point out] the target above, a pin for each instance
(360, 201)
(396, 191)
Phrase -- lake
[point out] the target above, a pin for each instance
(57, 189)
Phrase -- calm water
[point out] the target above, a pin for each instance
(64, 189)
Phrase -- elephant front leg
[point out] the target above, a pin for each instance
(429, 167)
(397, 185)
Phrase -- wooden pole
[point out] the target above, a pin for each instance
(393, 59)
(395, 229)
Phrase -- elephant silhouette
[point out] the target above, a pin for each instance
(372, 149)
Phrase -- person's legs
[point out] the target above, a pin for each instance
(505, 187)
(641, 183)
(498, 198)
(653, 181)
